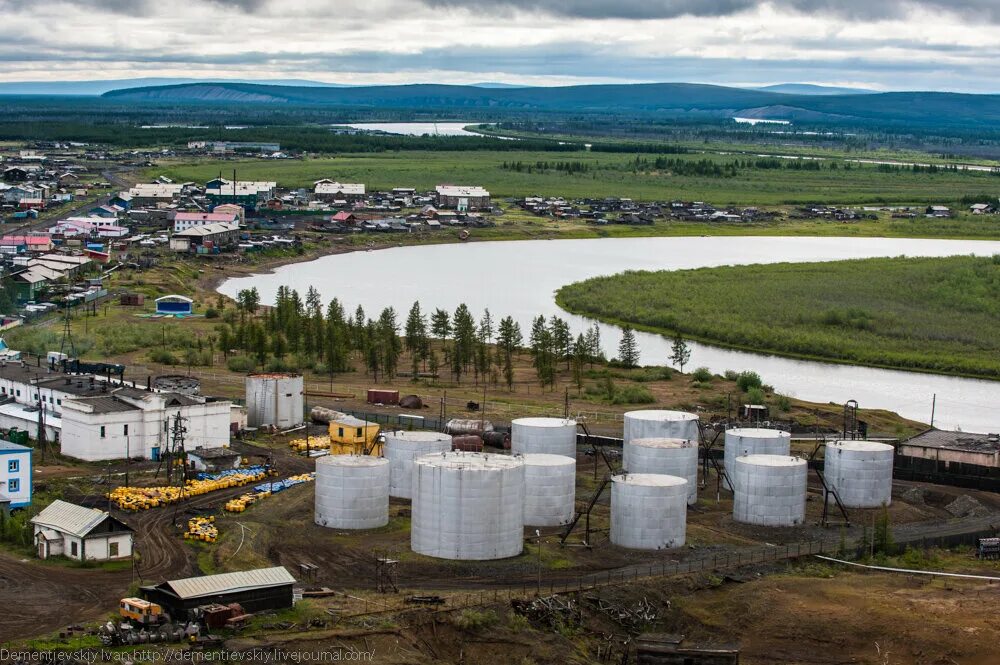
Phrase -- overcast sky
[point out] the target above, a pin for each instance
(882, 44)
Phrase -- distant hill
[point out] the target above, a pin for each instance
(101, 86)
(810, 89)
(688, 100)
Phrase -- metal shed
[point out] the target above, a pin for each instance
(255, 590)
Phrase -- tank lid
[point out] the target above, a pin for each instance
(759, 433)
(662, 442)
(546, 459)
(862, 446)
(660, 415)
(770, 460)
(350, 460)
(543, 422)
(403, 436)
(649, 479)
(469, 460)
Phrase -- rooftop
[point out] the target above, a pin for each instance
(69, 518)
(210, 585)
(937, 438)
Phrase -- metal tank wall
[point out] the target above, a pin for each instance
(660, 424)
(550, 436)
(670, 457)
(401, 448)
(467, 506)
(860, 471)
(770, 490)
(275, 400)
(352, 492)
(549, 489)
(741, 441)
(648, 511)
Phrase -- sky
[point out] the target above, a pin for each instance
(879, 44)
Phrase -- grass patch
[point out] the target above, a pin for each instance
(929, 314)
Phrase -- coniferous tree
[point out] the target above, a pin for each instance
(628, 351)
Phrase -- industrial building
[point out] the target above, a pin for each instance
(190, 220)
(328, 190)
(98, 420)
(152, 194)
(213, 460)
(15, 475)
(255, 591)
(945, 449)
(247, 194)
(77, 532)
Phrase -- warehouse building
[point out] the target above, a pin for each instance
(84, 534)
(255, 590)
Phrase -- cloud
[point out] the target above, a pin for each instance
(660, 9)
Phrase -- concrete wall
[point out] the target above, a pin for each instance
(982, 458)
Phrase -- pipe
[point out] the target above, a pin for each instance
(908, 571)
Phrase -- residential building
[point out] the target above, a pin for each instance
(189, 220)
(328, 190)
(77, 532)
(152, 194)
(248, 194)
(212, 236)
(15, 475)
(462, 197)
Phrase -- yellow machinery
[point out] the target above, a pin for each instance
(140, 611)
(353, 436)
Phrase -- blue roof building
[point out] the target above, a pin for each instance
(15, 475)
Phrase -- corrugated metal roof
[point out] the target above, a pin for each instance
(69, 518)
(210, 585)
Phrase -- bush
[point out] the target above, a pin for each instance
(243, 364)
(632, 395)
(747, 380)
(755, 396)
(784, 403)
(474, 620)
(731, 375)
(211, 313)
(702, 375)
(163, 357)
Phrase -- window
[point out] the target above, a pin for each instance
(340, 432)
(360, 433)
(113, 550)
(126, 430)
(4, 390)
(102, 431)
(14, 466)
(73, 549)
(18, 393)
(59, 402)
(14, 485)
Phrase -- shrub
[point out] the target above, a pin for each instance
(163, 357)
(211, 313)
(784, 403)
(755, 396)
(244, 364)
(474, 620)
(747, 380)
(731, 375)
(632, 395)
(702, 375)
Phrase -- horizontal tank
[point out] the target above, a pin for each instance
(741, 441)
(860, 472)
(467, 506)
(770, 490)
(352, 492)
(549, 436)
(401, 448)
(549, 489)
(660, 424)
(669, 457)
(275, 400)
(648, 511)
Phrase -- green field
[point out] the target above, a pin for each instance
(938, 314)
(606, 174)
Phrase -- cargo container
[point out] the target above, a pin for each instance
(376, 396)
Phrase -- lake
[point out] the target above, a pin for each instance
(519, 278)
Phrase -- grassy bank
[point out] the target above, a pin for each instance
(597, 174)
(938, 314)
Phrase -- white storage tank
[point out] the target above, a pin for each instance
(401, 448)
(550, 436)
(467, 506)
(660, 424)
(352, 491)
(275, 400)
(669, 457)
(860, 471)
(648, 511)
(770, 490)
(741, 441)
(549, 489)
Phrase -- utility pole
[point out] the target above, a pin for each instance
(538, 542)
(933, 408)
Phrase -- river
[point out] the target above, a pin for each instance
(519, 278)
(450, 128)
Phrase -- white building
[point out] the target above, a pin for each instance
(190, 220)
(462, 197)
(15, 475)
(100, 420)
(84, 534)
(328, 190)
